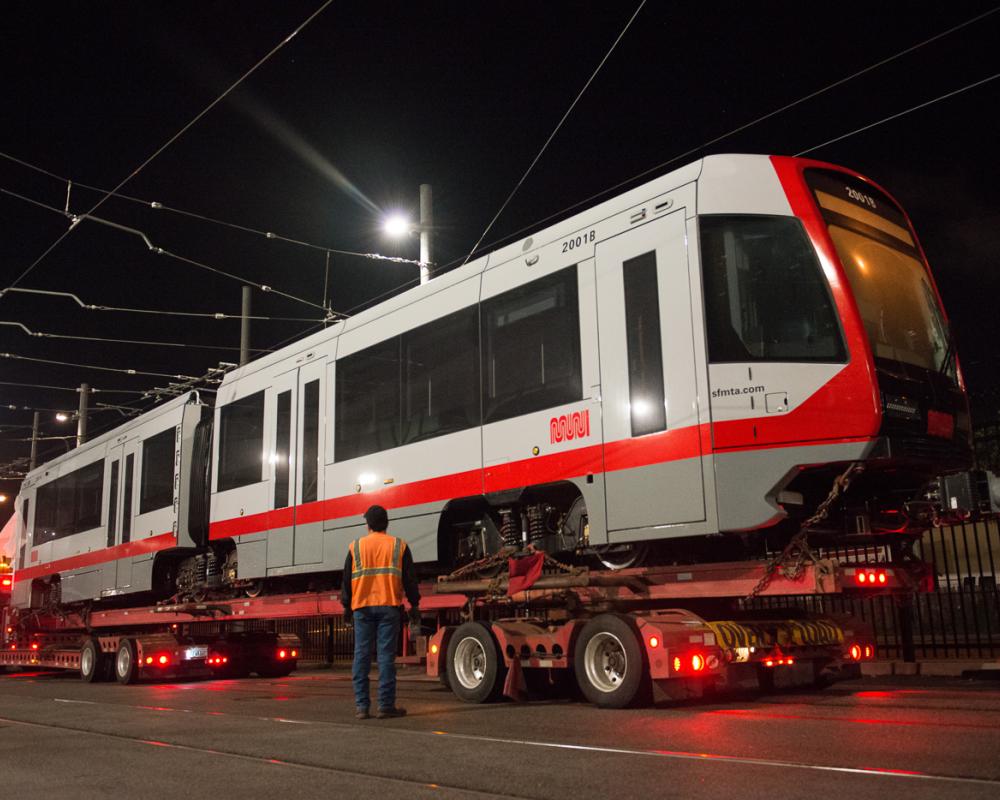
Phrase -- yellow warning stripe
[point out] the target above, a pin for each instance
(783, 633)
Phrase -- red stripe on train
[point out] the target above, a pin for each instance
(139, 547)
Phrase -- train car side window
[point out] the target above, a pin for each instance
(26, 536)
(156, 483)
(127, 502)
(765, 295)
(70, 504)
(441, 376)
(310, 441)
(282, 447)
(367, 418)
(241, 442)
(113, 503)
(643, 344)
(531, 347)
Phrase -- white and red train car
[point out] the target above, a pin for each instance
(700, 355)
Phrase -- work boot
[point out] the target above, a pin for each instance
(362, 713)
(390, 713)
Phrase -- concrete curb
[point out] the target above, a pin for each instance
(950, 668)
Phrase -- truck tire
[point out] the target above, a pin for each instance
(610, 663)
(126, 663)
(476, 671)
(92, 667)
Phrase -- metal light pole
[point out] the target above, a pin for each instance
(426, 224)
(34, 443)
(81, 418)
(245, 328)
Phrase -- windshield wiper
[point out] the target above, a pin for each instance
(949, 353)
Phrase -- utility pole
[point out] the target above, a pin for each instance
(81, 417)
(426, 224)
(245, 328)
(34, 443)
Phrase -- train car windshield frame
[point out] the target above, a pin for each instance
(888, 276)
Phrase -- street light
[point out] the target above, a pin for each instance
(397, 225)
(61, 417)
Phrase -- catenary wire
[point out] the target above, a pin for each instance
(151, 343)
(161, 251)
(555, 130)
(120, 370)
(899, 114)
(174, 138)
(158, 206)
(159, 312)
(728, 134)
(74, 389)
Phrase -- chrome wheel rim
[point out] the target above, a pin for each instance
(87, 659)
(470, 663)
(124, 661)
(605, 662)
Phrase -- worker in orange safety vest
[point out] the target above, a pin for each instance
(377, 573)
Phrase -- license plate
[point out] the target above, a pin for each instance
(196, 652)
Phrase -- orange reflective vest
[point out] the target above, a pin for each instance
(377, 570)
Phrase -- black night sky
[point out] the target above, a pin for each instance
(374, 98)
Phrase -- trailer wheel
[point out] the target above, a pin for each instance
(92, 662)
(475, 669)
(610, 663)
(126, 665)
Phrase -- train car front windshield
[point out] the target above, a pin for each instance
(890, 282)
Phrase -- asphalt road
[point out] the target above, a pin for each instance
(296, 737)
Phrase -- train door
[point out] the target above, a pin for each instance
(128, 456)
(308, 472)
(112, 502)
(280, 535)
(652, 443)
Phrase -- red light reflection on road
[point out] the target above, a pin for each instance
(750, 713)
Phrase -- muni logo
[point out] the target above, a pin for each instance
(569, 426)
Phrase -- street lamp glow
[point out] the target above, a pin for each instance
(61, 417)
(3, 498)
(397, 225)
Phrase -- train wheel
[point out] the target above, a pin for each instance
(476, 671)
(92, 665)
(622, 556)
(610, 664)
(126, 665)
(254, 589)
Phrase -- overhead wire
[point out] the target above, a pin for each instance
(157, 311)
(161, 251)
(903, 113)
(728, 134)
(120, 370)
(75, 389)
(145, 342)
(174, 138)
(555, 130)
(158, 206)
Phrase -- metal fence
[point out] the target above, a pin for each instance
(960, 618)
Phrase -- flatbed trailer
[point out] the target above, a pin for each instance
(619, 635)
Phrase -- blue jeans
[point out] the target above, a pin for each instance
(375, 625)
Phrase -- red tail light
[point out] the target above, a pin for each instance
(697, 662)
(34, 645)
(654, 641)
(163, 660)
(869, 651)
(871, 577)
(5, 582)
(855, 652)
(282, 653)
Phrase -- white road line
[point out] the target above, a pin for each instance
(670, 754)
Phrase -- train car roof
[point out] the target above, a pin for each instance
(721, 164)
(32, 477)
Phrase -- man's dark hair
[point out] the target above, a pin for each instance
(377, 518)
